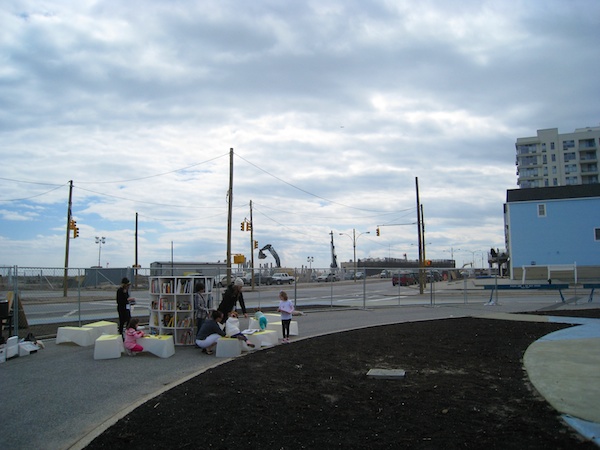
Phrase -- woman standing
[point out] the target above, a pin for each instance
(124, 302)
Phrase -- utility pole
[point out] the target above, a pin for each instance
(251, 246)
(65, 279)
(229, 213)
(136, 253)
(420, 236)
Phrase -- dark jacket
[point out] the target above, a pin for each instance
(209, 327)
(230, 298)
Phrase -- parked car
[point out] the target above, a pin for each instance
(221, 280)
(328, 277)
(281, 278)
(404, 279)
(434, 275)
(261, 278)
(385, 274)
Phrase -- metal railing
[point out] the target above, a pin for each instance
(38, 303)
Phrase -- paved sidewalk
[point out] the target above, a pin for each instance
(60, 397)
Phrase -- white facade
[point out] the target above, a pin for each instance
(552, 159)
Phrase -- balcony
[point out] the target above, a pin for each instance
(589, 168)
(588, 156)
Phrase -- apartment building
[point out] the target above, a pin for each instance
(552, 159)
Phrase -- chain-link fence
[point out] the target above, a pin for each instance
(40, 299)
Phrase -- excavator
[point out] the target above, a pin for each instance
(269, 247)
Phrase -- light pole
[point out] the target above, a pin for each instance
(354, 238)
(100, 241)
(310, 260)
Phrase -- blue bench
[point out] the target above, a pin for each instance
(591, 286)
(539, 287)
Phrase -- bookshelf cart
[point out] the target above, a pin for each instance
(172, 305)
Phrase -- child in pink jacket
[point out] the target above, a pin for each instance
(132, 333)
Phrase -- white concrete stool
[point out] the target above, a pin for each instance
(162, 346)
(108, 346)
(255, 340)
(267, 338)
(228, 347)
(103, 327)
(79, 335)
(276, 326)
(273, 317)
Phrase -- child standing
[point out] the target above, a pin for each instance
(286, 308)
(132, 333)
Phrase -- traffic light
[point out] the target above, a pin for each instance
(72, 224)
(428, 262)
(75, 232)
(243, 227)
(255, 244)
(377, 231)
(248, 226)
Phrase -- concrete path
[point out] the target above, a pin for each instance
(61, 398)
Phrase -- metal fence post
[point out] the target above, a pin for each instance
(15, 305)
(79, 293)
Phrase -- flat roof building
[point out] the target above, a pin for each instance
(553, 159)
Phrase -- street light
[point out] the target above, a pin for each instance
(354, 238)
(100, 241)
(310, 260)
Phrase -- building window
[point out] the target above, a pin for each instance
(541, 210)
(553, 158)
(597, 234)
(571, 180)
(551, 145)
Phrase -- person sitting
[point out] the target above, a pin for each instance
(232, 329)
(131, 336)
(210, 332)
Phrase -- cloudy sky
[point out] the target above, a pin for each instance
(333, 109)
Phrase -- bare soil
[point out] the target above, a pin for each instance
(465, 387)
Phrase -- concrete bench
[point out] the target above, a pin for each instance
(228, 347)
(103, 327)
(267, 338)
(83, 336)
(539, 287)
(108, 346)
(276, 326)
(592, 286)
(162, 346)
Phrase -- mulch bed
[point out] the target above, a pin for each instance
(465, 387)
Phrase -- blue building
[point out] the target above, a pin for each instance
(554, 229)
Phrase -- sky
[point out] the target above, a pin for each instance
(333, 109)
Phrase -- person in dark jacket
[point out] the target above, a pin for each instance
(124, 302)
(231, 296)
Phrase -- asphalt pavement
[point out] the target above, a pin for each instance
(61, 398)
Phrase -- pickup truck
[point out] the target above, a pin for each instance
(280, 278)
